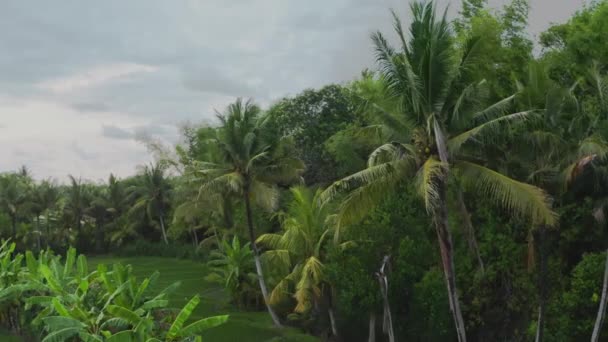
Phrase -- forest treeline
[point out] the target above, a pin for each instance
(457, 189)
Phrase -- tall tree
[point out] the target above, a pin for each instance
(77, 200)
(431, 134)
(151, 194)
(252, 167)
(43, 198)
(14, 197)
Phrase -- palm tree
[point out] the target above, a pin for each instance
(13, 197)
(433, 130)
(43, 197)
(151, 193)
(300, 248)
(252, 166)
(77, 200)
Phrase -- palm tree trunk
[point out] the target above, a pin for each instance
(387, 322)
(14, 226)
(48, 229)
(542, 283)
(38, 233)
(332, 322)
(372, 328)
(330, 312)
(99, 239)
(162, 228)
(447, 258)
(601, 313)
(470, 230)
(258, 263)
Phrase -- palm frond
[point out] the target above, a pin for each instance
(426, 182)
(454, 144)
(522, 199)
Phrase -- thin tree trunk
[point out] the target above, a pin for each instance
(447, 258)
(99, 239)
(258, 263)
(387, 322)
(330, 312)
(48, 229)
(38, 233)
(470, 230)
(372, 328)
(162, 228)
(195, 236)
(332, 322)
(542, 283)
(601, 313)
(14, 226)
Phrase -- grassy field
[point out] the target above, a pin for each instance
(241, 327)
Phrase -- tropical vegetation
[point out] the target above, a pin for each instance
(455, 190)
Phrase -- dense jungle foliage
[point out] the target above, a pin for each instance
(455, 190)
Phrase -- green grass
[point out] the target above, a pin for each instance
(241, 327)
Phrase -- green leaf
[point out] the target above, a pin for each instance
(69, 262)
(202, 325)
(61, 335)
(124, 313)
(55, 323)
(60, 308)
(123, 336)
(182, 317)
(50, 279)
(82, 266)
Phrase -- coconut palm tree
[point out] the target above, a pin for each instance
(151, 194)
(77, 200)
(308, 228)
(13, 197)
(253, 163)
(43, 198)
(432, 121)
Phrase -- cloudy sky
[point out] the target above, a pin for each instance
(79, 80)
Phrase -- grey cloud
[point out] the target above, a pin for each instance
(212, 81)
(82, 153)
(115, 132)
(205, 53)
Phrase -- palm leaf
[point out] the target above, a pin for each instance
(519, 198)
(456, 142)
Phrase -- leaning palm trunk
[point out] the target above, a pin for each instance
(601, 313)
(332, 321)
(162, 228)
(372, 328)
(470, 230)
(258, 263)
(447, 258)
(387, 323)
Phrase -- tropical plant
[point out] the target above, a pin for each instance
(151, 195)
(233, 265)
(13, 197)
(431, 119)
(300, 250)
(252, 167)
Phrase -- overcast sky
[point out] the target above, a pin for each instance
(80, 79)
